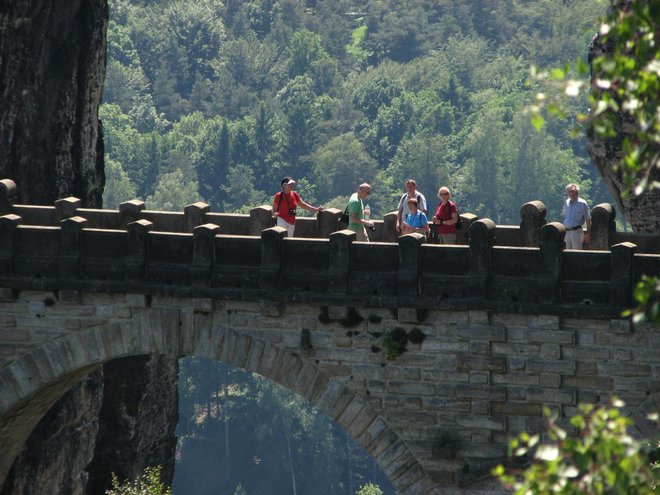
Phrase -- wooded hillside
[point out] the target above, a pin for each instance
(217, 101)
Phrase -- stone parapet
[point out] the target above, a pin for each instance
(526, 234)
(142, 259)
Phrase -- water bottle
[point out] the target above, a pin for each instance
(367, 216)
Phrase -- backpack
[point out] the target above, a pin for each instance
(279, 198)
(459, 220)
(343, 218)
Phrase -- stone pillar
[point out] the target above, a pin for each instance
(194, 215)
(271, 257)
(203, 253)
(462, 233)
(66, 208)
(339, 262)
(602, 226)
(389, 227)
(136, 255)
(327, 222)
(8, 224)
(621, 273)
(407, 275)
(7, 196)
(129, 211)
(532, 218)
(552, 245)
(70, 237)
(482, 239)
(261, 218)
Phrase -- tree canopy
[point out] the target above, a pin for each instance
(238, 94)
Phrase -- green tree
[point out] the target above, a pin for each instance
(369, 489)
(340, 165)
(240, 192)
(174, 191)
(302, 118)
(375, 93)
(603, 459)
(149, 483)
(118, 187)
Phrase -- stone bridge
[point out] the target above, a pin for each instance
(432, 357)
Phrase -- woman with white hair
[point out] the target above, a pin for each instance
(446, 217)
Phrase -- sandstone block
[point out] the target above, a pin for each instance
(482, 332)
(550, 366)
(536, 394)
(496, 423)
(468, 362)
(551, 336)
(589, 382)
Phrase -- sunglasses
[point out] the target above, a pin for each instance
(444, 194)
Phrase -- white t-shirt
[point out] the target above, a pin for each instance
(403, 204)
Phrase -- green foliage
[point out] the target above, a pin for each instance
(340, 93)
(394, 342)
(628, 82)
(173, 192)
(647, 297)
(268, 433)
(149, 483)
(369, 489)
(626, 86)
(118, 187)
(602, 459)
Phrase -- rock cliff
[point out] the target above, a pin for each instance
(137, 420)
(54, 457)
(52, 67)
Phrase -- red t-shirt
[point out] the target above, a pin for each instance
(286, 202)
(444, 213)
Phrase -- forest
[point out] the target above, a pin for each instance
(241, 434)
(217, 101)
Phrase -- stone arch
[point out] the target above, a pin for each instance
(30, 385)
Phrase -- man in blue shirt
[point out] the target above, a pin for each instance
(576, 213)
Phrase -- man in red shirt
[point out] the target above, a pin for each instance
(285, 205)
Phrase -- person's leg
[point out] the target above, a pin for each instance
(284, 224)
(573, 239)
(361, 235)
(447, 238)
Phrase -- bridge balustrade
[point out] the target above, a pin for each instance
(526, 234)
(173, 251)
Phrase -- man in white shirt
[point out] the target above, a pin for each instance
(402, 209)
(576, 213)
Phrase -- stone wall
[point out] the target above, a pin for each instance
(436, 417)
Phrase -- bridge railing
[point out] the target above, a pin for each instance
(144, 260)
(526, 234)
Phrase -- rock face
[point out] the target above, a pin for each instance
(643, 211)
(52, 67)
(54, 457)
(137, 420)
